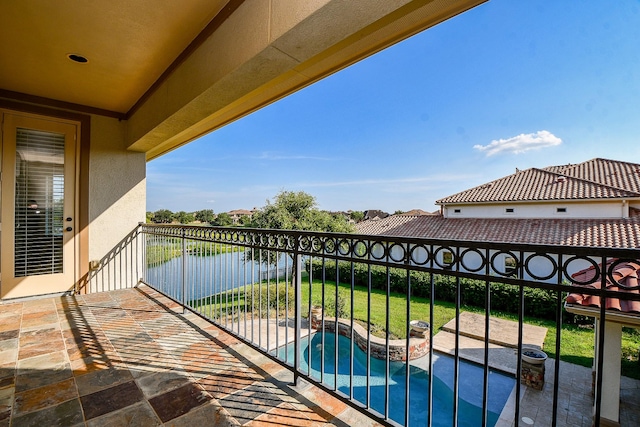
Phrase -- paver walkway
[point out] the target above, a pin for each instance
(503, 340)
(131, 358)
(502, 332)
(575, 402)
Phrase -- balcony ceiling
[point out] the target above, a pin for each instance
(129, 44)
(174, 71)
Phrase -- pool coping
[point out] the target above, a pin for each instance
(418, 345)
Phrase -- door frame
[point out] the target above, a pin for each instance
(81, 182)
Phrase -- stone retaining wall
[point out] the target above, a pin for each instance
(418, 343)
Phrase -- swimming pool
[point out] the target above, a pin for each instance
(470, 383)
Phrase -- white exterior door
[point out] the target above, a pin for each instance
(38, 205)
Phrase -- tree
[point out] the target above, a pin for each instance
(223, 220)
(163, 216)
(398, 212)
(149, 217)
(298, 211)
(357, 216)
(183, 217)
(245, 220)
(294, 211)
(205, 215)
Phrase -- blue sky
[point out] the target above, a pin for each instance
(508, 84)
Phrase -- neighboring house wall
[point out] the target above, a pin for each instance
(238, 214)
(554, 209)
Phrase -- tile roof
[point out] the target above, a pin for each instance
(380, 226)
(375, 213)
(593, 179)
(414, 212)
(614, 173)
(625, 274)
(588, 232)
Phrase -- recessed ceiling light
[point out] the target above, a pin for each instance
(77, 58)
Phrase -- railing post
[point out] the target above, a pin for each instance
(297, 262)
(140, 251)
(184, 270)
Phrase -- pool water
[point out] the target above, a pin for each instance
(470, 383)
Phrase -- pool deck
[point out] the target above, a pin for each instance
(575, 402)
(503, 340)
(574, 396)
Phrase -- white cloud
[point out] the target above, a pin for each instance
(521, 143)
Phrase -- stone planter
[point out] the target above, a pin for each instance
(533, 369)
(419, 328)
(533, 356)
(316, 316)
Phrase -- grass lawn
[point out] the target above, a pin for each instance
(577, 343)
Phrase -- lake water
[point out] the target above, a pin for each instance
(209, 275)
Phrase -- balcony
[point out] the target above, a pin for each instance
(130, 357)
(184, 324)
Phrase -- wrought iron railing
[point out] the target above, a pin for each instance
(276, 290)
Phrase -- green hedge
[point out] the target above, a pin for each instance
(271, 296)
(539, 303)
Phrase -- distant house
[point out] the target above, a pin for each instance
(598, 188)
(238, 214)
(374, 214)
(591, 204)
(594, 203)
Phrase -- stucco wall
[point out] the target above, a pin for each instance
(538, 210)
(117, 187)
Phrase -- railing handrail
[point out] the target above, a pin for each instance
(598, 255)
(407, 254)
(608, 252)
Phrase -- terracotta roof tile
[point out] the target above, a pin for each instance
(614, 173)
(593, 179)
(588, 232)
(625, 274)
(415, 212)
(555, 169)
(379, 226)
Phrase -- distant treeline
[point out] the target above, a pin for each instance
(204, 216)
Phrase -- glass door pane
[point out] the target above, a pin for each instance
(39, 202)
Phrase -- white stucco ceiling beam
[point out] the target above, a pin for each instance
(266, 50)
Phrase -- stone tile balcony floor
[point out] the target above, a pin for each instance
(130, 357)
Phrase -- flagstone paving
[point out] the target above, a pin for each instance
(130, 357)
(575, 400)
